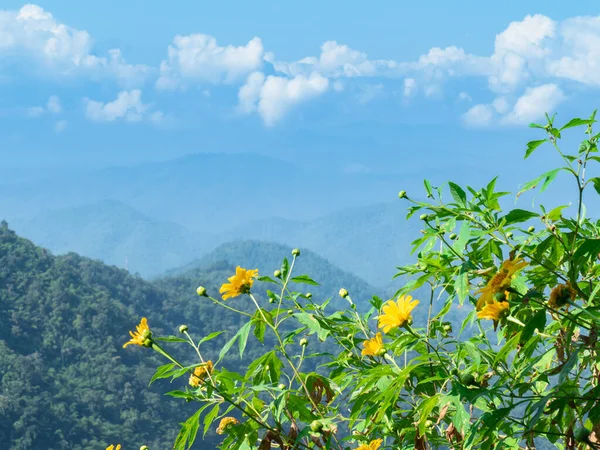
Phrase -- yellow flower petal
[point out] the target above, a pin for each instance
(140, 335)
(397, 314)
(238, 284)
(373, 346)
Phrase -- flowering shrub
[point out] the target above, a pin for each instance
(521, 371)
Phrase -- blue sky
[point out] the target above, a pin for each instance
(346, 84)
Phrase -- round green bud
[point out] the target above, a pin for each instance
(308, 295)
(509, 235)
(316, 426)
(350, 355)
(303, 342)
(290, 312)
(281, 386)
(447, 328)
(271, 300)
(277, 273)
(201, 291)
(343, 293)
(582, 434)
(453, 236)
(183, 328)
(144, 447)
(296, 252)
(381, 352)
(423, 217)
(402, 194)
(531, 229)
(428, 424)
(500, 297)
(468, 379)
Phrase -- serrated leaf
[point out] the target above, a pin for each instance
(209, 418)
(532, 145)
(575, 123)
(518, 216)
(304, 279)
(164, 371)
(243, 338)
(209, 337)
(458, 194)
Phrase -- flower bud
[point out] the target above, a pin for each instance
(303, 342)
(428, 424)
(296, 252)
(453, 236)
(277, 273)
(308, 295)
(381, 352)
(531, 229)
(509, 235)
(316, 426)
(201, 291)
(402, 194)
(281, 386)
(144, 447)
(343, 293)
(423, 217)
(183, 328)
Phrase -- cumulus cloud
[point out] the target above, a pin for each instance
(33, 37)
(410, 87)
(127, 106)
(273, 96)
(534, 103)
(478, 116)
(197, 58)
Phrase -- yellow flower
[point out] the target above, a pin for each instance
(561, 294)
(373, 346)
(201, 373)
(493, 311)
(373, 445)
(397, 314)
(225, 422)
(142, 336)
(239, 284)
(500, 281)
(112, 447)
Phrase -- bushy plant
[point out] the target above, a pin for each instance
(521, 371)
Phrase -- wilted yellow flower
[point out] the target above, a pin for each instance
(201, 373)
(500, 281)
(141, 336)
(225, 422)
(239, 284)
(112, 447)
(561, 294)
(373, 346)
(397, 314)
(493, 311)
(373, 445)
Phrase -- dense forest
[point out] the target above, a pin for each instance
(65, 380)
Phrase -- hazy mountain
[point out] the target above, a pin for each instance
(116, 234)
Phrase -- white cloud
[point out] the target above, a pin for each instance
(197, 58)
(127, 106)
(465, 97)
(478, 116)
(501, 105)
(410, 87)
(338, 86)
(53, 106)
(33, 37)
(273, 96)
(534, 103)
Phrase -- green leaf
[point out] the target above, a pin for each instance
(575, 123)
(162, 372)
(531, 146)
(425, 409)
(210, 418)
(548, 177)
(556, 213)
(305, 279)
(313, 324)
(518, 216)
(243, 334)
(458, 194)
(461, 284)
(170, 339)
(188, 432)
(596, 183)
(230, 343)
(538, 321)
(428, 188)
(266, 279)
(285, 268)
(210, 337)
